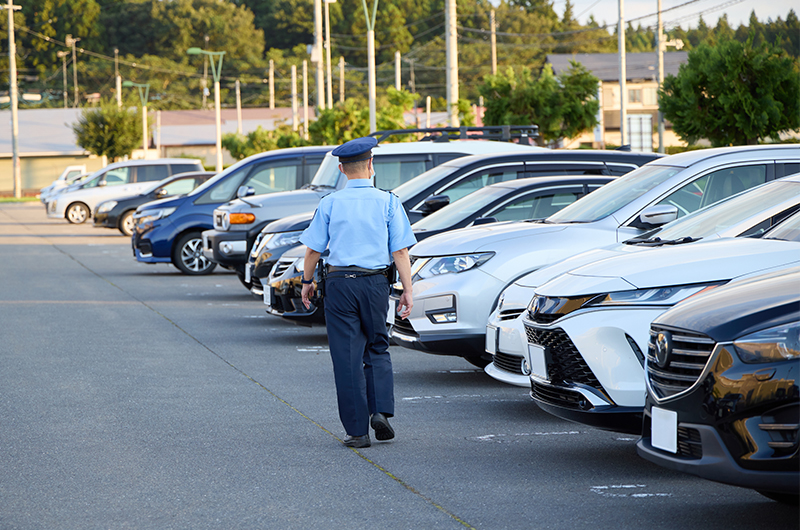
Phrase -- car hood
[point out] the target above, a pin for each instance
(545, 274)
(300, 198)
(473, 239)
(718, 260)
(162, 203)
(291, 223)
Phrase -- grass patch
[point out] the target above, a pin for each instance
(12, 199)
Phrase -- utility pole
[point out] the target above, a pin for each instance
(238, 108)
(428, 112)
(660, 48)
(14, 93)
(328, 49)
(623, 92)
(117, 78)
(451, 38)
(397, 71)
(205, 75)
(64, 54)
(341, 79)
(318, 56)
(305, 99)
(271, 84)
(295, 117)
(69, 41)
(373, 122)
(493, 41)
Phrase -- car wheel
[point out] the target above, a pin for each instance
(188, 255)
(126, 223)
(77, 213)
(480, 362)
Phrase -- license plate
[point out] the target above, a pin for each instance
(664, 429)
(268, 295)
(246, 273)
(491, 339)
(537, 361)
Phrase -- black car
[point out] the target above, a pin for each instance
(119, 213)
(722, 377)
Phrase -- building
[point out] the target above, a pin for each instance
(642, 97)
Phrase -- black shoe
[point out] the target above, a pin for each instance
(357, 441)
(383, 431)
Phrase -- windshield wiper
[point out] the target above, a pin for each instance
(657, 241)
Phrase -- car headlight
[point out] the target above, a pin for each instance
(283, 239)
(658, 296)
(257, 245)
(106, 206)
(148, 216)
(449, 264)
(780, 343)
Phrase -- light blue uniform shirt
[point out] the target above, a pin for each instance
(362, 226)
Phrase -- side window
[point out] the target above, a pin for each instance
(223, 190)
(185, 168)
(619, 169)
(391, 173)
(151, 173)
(118, 176)
(180, 186)
(479, 179)
(714, 187)
(311, 167)
(536, 170)
(272, 177)
(789, 168)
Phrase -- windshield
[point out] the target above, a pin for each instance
(457, 211)
(720, 216)
(327, 174)
(789, 230)
(210, 183)
(91, 182)
(614, 195)
(154, 186)
(422, 182)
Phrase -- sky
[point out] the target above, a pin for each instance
(738, 11)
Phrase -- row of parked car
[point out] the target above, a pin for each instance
(631, 292)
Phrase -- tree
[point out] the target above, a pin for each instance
(260, 141)
(733, 94)
(109, 130)
(562, 106)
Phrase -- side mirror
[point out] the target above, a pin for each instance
(245, 191)
(162, 192)
(656, 216)
(484, 221)
(433, 203)
(102, 183)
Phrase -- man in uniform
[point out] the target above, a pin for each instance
(365, 229)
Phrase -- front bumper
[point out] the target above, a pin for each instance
(104, 220)
(54, 209)
(284, 299)
(506, 343)
(228, 249)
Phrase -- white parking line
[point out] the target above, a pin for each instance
(626, 490)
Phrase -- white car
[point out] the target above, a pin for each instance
(68, 176)
(748, 214)
(120, 179)
(458, 276)
(588, 329)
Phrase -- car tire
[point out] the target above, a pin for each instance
(77, 213)
(188, 257)
(126, 223)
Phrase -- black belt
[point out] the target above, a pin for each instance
(356, 272)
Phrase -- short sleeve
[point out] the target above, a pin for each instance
(316, 236)
(400, 233)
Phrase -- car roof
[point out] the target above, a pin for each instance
(689, 158)
(151, 162)
(544, 181)
(453, 146)
(561, 155)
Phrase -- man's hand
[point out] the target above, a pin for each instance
(307, 290)
(405, 304)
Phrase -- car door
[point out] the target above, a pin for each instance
(393, 170)
(272, 176)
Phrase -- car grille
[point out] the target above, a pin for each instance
(544, 318)
(508, 363)
(510, 314)
(565, 363)
(280, 268)
(559, 396)
(403, 326)
(688, 358)
(219, 218)
(689, 444)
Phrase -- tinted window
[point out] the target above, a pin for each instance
(619, 169)
(391, 173)
(185, 168)
(151, 173)
(788, 169)
(118, 176)
(535, 170)
(479, 179)
(271, 177)
(312, 165)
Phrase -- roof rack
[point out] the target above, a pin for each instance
(502, 133)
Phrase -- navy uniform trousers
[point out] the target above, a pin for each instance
(355, 314)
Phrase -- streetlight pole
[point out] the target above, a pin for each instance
(623, 76)
(64, 54)
(144, 93)
(215, 58)
(69, 41)
(317, 57)
(328, 49)
(117, 78)
(13, 92)
(451, 37)
(373, 122)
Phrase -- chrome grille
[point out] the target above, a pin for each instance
(565, 363)
(508, 363)
(280, 268)
(543, 318)
(403, 326)
(688, 358)
(510, 314)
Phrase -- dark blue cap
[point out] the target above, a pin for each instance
(355, 150)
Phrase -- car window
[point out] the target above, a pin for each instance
(151, 173)
(180, 186)
(479, 179)
(788, 230)
(715, 186)
(620, 169)
(185, 168)
(117, 176)
(391, 173)
(536, 170)
(789, 168)
(222, 187)
(271, 177)
(536, 206)
(311, 167)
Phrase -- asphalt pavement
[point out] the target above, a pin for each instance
(133, 396)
